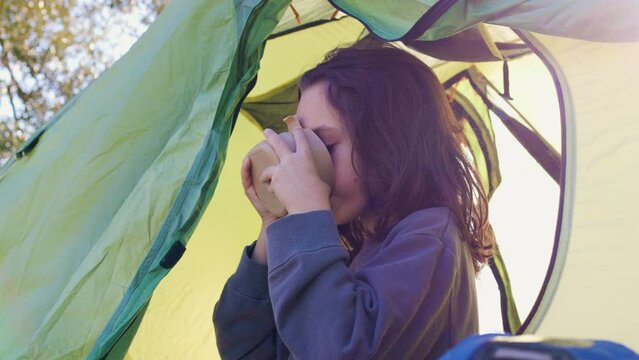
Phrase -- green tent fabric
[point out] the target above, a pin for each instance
(435, 19)
(101, 202)
(118, 178)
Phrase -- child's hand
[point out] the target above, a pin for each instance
(295, 181)
(266, 216)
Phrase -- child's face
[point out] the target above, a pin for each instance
(314, 112)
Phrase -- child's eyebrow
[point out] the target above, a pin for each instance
(321, 128)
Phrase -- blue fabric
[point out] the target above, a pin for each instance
(411, 295)
(476, 347)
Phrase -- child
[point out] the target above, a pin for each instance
(383, 264)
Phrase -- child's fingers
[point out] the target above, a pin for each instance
(278, 144)
(247, 182)
(266, 175)
(301, 144)
(246, 173)
(249, 190)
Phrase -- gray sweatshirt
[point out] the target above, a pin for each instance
(410, 296)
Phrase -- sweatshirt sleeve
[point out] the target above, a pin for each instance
(243, 316)
(395, 301)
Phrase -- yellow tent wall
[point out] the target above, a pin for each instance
(594, 291)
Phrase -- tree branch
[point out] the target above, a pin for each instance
(5, 61)
(13, 106)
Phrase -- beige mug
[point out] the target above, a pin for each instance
(263, 155)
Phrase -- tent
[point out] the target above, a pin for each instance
(99, 207)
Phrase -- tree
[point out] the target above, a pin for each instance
(50, 50)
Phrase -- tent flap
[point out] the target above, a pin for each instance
(609, 21)
(132, 160)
